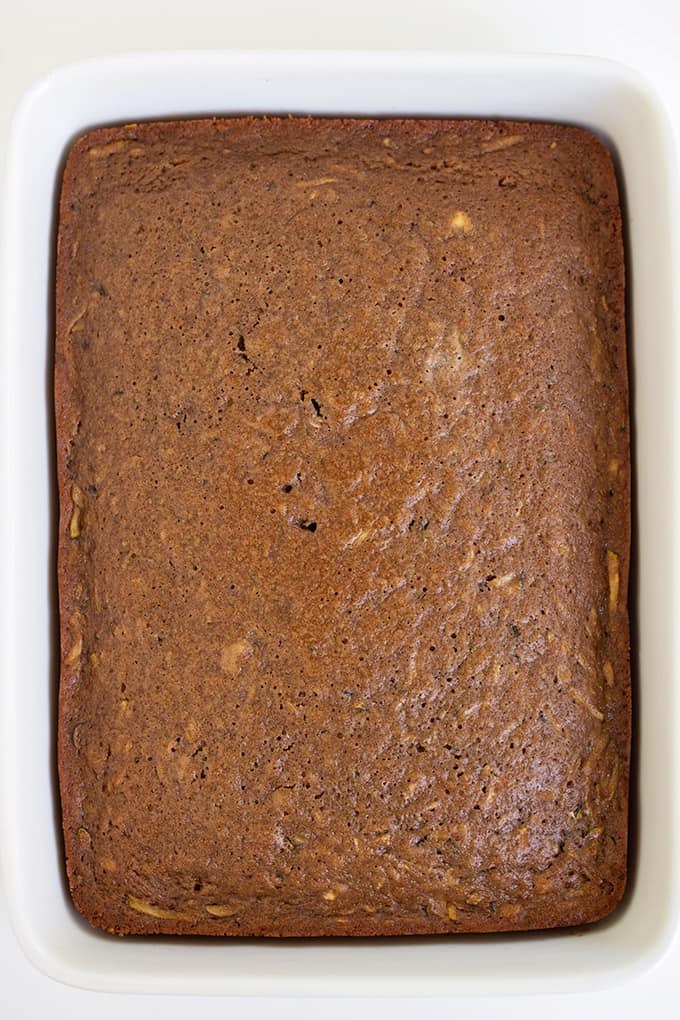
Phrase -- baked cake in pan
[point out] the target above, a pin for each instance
(343, 457)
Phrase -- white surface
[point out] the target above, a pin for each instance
(23, 991)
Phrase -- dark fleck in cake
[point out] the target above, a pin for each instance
(343, 453)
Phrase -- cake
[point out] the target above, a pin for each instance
(344, 482)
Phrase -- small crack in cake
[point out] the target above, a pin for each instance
(344, 478)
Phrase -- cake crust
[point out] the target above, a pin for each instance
(344, 481)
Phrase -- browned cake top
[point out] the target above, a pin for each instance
(344, 477)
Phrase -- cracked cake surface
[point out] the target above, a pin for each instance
(344, 480)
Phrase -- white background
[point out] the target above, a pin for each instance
(39, 35)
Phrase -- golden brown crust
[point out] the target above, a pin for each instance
(344, 477)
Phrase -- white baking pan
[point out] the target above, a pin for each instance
(604, 96)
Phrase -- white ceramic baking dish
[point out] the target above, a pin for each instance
(601, 95)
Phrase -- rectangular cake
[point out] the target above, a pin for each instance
(344, 480)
